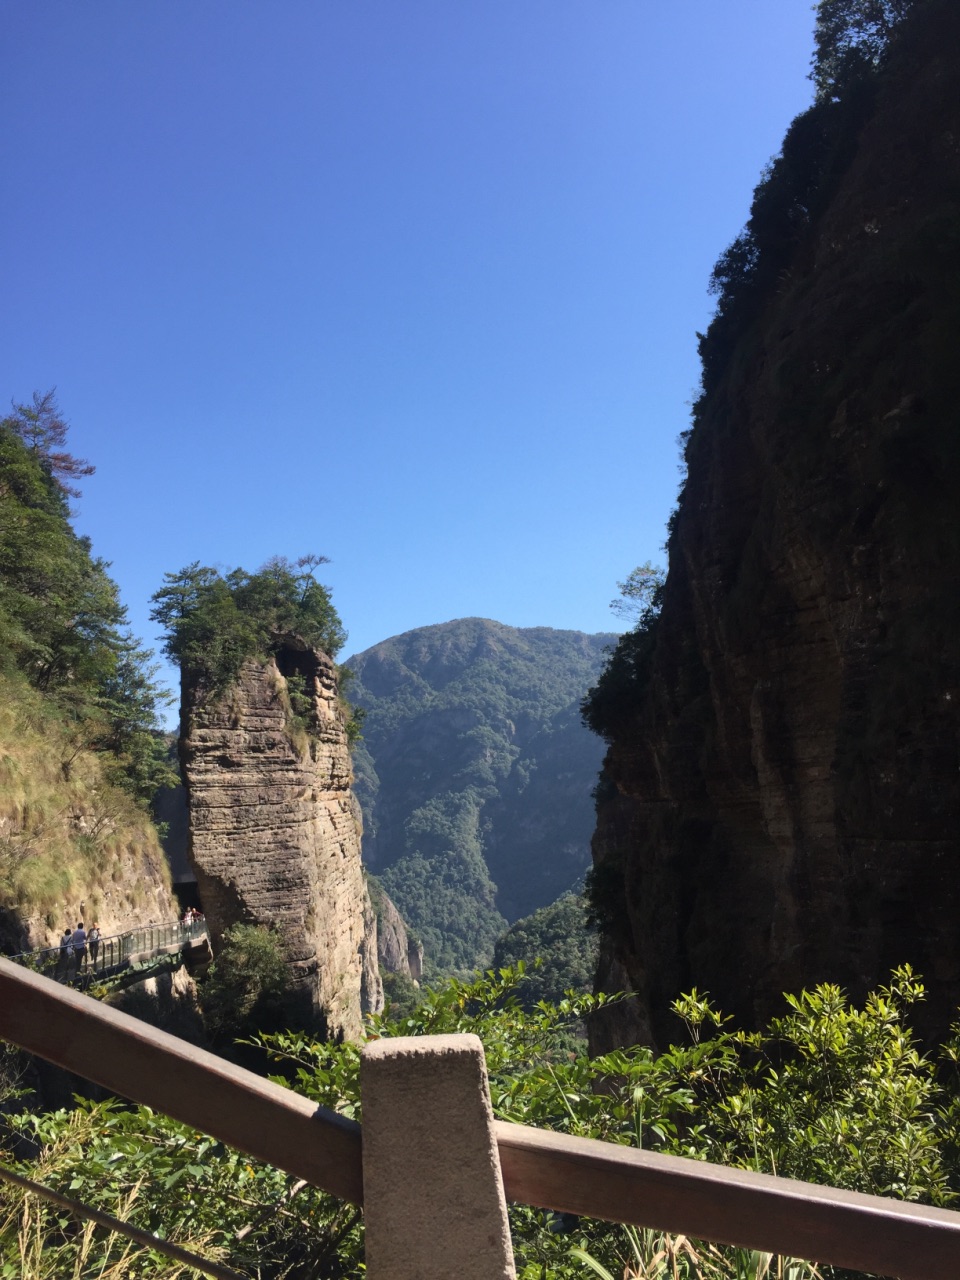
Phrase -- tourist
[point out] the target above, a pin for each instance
(93, 942)
(79, 946)
(66, 950)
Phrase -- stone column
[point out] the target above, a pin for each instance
(433, 1194)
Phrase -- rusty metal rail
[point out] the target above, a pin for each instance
(550, 1170)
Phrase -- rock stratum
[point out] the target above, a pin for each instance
(780, 804)
(274, 830)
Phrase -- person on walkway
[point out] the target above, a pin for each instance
(66, 951)
(93, 942)
(79, 946)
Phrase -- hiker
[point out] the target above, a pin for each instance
(93, 942)
(79, 945)
(63, 960)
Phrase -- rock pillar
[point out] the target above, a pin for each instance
(274, 831)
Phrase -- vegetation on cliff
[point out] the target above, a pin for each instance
(80, 751)
(852, 38)
(215, 621)
(474, 776)
(62, 626)
(828, 1092)
(557, 948)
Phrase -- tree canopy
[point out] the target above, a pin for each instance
(62, 625)
(214, 621)
(851, 38)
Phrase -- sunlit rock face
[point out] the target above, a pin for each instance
(784, 807)
(275, 831)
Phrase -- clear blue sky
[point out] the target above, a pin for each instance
(410, 283)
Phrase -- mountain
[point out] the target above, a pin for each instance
(780, 804)
(474, 775)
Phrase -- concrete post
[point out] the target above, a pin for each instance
(433, 1195)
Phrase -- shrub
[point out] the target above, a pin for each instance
(245, 989)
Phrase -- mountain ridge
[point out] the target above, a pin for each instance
(465, 722)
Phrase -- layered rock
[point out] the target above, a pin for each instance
(397, 950)
(275, 831)
(785, 806)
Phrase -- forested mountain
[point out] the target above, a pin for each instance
(80, 756)
(474, 775)
(781, 802)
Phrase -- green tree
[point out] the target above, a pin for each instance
(851, 38)
(244, 991)
(41, 427)
(614, 699)
(557, 947)
(640, 593)
(213, 622)
(62, 624)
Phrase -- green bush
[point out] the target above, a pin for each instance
(828, 1092)
(213, 622)
(245, 989)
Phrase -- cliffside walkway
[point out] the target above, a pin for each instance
(115, 953)
(422, 1131)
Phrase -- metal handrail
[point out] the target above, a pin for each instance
(550, 1170)
(113, 952)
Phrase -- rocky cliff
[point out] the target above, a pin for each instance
(780, 804)
(396, 948)
(275, 831)
(73, 845)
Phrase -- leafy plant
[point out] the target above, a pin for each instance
(214, 622)
(829, 1091)
(245, 988)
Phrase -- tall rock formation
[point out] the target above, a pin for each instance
(781, 802)
(275, 830)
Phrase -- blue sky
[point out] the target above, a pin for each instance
(413, 284)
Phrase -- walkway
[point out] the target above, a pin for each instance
(114, 953)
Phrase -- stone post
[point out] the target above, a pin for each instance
(433, 1195)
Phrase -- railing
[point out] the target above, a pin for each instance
(112, 953)
(416, 1144)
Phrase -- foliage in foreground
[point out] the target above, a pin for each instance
(828, 1092)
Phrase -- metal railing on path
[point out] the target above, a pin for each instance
(112, 953)
(549, 1170)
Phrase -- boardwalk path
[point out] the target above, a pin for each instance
(116, 952)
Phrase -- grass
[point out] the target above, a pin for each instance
(50, 1244)
(65, 831)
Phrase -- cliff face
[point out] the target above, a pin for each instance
(73, 846)
(784, 804)
(275, 831)
(396, 949)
